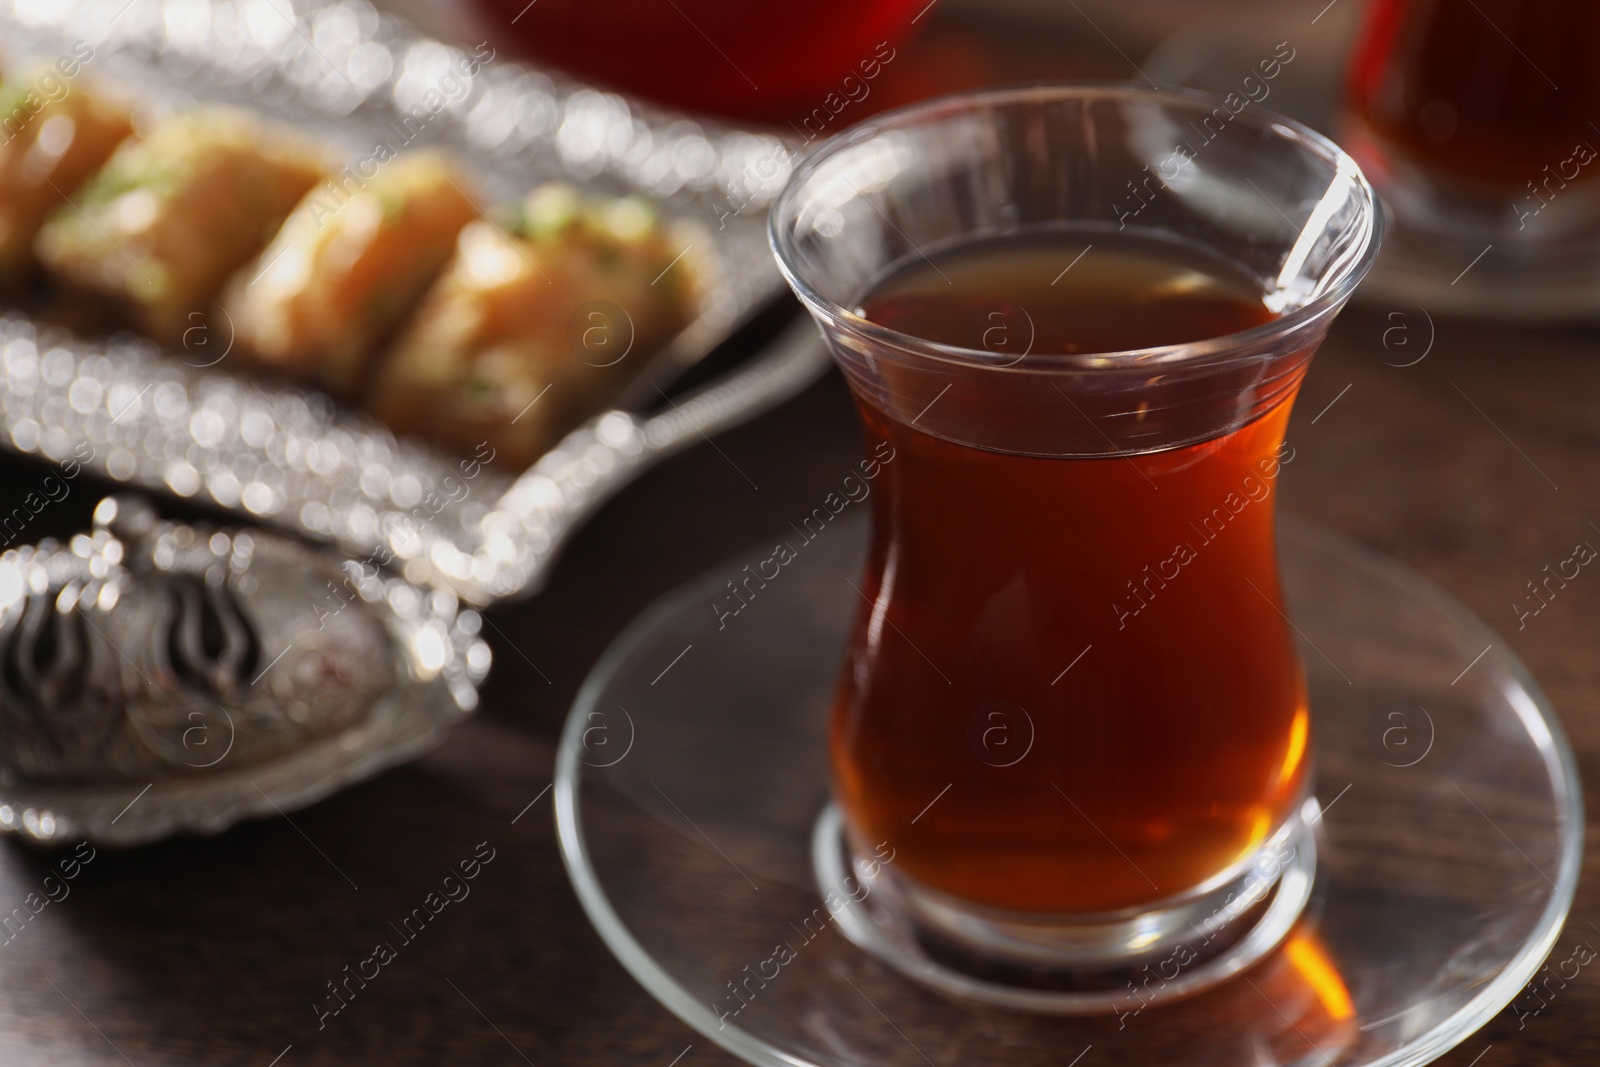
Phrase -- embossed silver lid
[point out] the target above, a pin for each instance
(158, 677)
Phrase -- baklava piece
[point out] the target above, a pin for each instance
(537, 322)
(174, 213)
(51, 140)
(351, 261)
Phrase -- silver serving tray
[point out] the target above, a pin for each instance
(348, 75)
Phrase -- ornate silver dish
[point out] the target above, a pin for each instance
(179, 423)
(158, 677)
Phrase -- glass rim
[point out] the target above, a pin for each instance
(848, 321)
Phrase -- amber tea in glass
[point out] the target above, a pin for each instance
(1164, 558)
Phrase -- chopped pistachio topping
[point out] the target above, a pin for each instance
(13, 111)
(549, 210)
(135, 169)
(480, 387)
(628, 219)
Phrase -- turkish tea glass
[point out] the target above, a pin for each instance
(1476, 123)
(1071, 730)
(1456, 112)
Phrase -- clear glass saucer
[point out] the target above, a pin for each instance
(692, 774)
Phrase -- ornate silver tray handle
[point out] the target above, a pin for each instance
(157, 676)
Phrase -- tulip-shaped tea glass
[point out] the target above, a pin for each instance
(1071, 735)
(1477, 126)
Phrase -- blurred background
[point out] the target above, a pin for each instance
(697, 53)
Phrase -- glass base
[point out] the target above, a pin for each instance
(1447, 253)
(1091, 965)
(1448, 838)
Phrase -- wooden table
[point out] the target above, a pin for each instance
(1476, 466)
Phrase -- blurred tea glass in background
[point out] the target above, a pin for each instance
(777, 59)
(1475, 119)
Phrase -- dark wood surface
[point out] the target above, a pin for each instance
(1477, 467)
